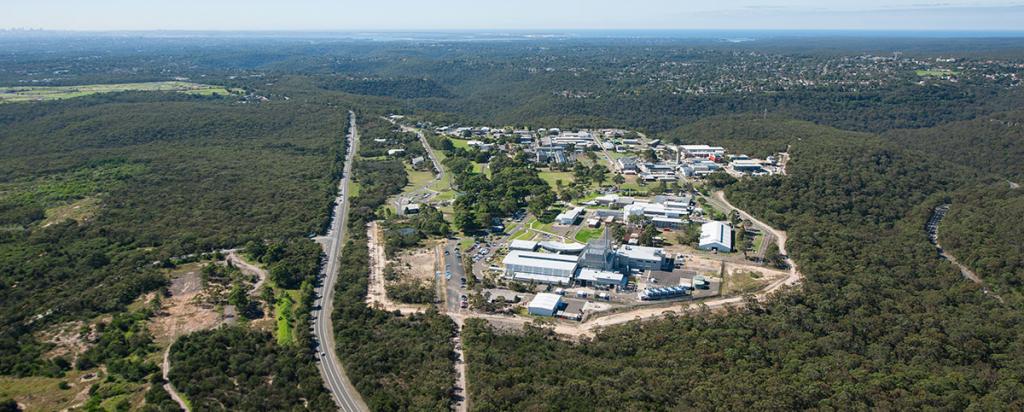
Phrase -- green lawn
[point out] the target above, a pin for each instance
(543, 227)
(459, 143)
(482, 168)
(353, 188)
(417, 179)
(552, 177)
(42, 93)
(587, 233)
(935, 72)
(283, 314)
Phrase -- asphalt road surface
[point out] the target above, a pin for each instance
(345, 395)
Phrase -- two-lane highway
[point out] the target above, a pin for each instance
(345, 395)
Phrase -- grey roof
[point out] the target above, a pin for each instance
(641, 252)
(543, 260)
(549, 301)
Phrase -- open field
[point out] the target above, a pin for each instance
(587, 233)
(44, 394)
(482, 168)
(552, 177)
(80, 211)
(459, 143)
(417, 179)
(43, 93)
(935, 72)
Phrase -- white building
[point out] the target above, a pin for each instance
(540, 267)
(569, 217)
(654, 210)
(596, 277)
(396, 152)
(527, 245)
(545, 304)
(716, 236)
(701, 150)
(629, 257)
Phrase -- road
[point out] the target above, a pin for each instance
(166, 370)
(425, 193)
(932, 228)
(345, 395)
(453, 291)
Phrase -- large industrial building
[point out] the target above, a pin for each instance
(597, 264)
(538, 267)
(716, 236)
(630, 257)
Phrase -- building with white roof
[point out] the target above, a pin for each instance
(654, 210)
(597, 277)
(747, 165)
(715, 236)
(570, 217)
(701, 150)
(629, 257)
(545, 304)
(527, 245)
(540, 267)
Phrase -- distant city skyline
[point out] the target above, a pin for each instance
(299, 15)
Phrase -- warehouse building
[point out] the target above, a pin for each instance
(630, 257)
(548, 268)
(715, 236)
(545, 304)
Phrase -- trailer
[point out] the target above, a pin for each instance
(664, 293)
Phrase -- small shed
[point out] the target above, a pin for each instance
(545, 304)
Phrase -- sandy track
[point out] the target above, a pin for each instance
(377, 295)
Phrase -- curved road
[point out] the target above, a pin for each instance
(345, 395)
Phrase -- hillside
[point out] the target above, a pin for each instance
(880, 321)
(991, 144)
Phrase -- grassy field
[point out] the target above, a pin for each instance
(44, 394)
(741, 282)
(283, 314)
(42, 93)
(935, 72)
(543, 227)
(459, 143)
(587, 233)
(482, 168)
(353, 188)
(552, 177)
(417, 179)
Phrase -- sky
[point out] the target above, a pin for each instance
(426, 15)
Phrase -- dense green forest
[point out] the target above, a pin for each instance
(98, 194)
(991, 145)
(239, 369)
(879, 321)
(981, 231)
(398, 363)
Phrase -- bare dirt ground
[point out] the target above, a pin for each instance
(183, 312)
(67, 340)
(377, 295)
(419, 264)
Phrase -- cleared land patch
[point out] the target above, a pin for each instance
(23, 94)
